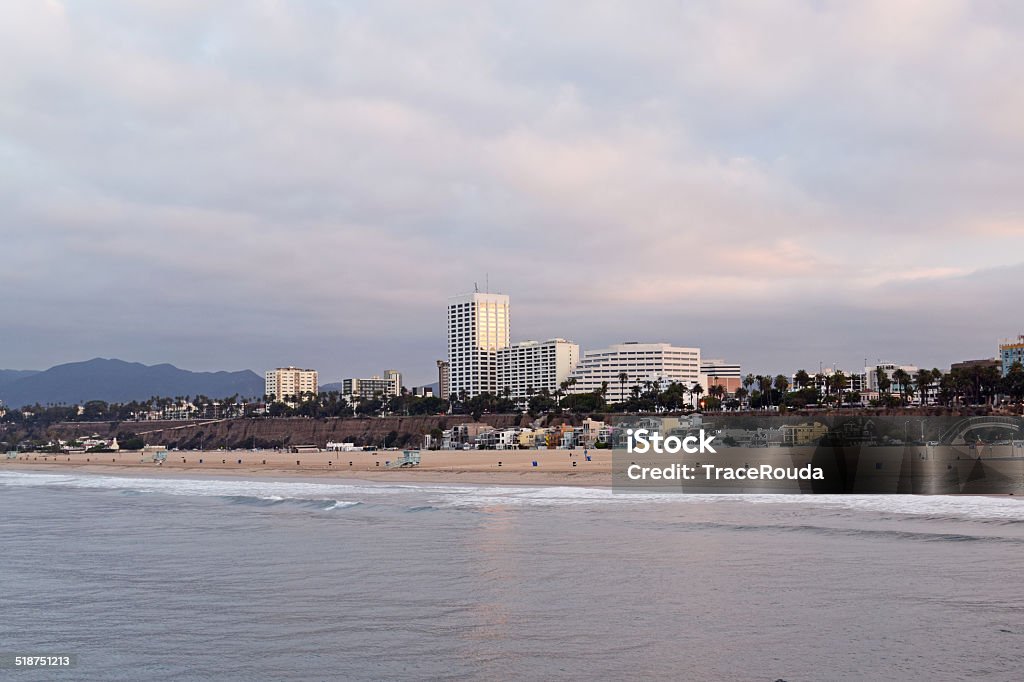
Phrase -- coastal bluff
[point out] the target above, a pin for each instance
(274, 433)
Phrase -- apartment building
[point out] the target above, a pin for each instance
(290, 384)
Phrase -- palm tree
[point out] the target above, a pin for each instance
(883, 380)
(717, 391)
(840, 383)
(695, 391)
(923, 379)
(902, 379)
(781, 384)
(765, 384)
(623, 378)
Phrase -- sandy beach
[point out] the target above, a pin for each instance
(498, 467)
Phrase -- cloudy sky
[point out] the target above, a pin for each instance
(246, 184)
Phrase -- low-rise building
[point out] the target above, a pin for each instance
(966, 365)
(855, 381)
(1011, 351)
(462, 435)
(871, 373)
(803, 434)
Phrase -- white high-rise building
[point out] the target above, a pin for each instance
(641, 362)
(535, 365)
(289, 384)
(478, 327)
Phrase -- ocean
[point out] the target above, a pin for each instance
(232, 579)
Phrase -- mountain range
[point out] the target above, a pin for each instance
(119, 381)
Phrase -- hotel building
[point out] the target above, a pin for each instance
(289, 384)
(535, 365)
(478, 327)
(1011, 351)
(641, 362)
(388, 386)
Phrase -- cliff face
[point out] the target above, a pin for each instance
(404, 431)
(266, 433)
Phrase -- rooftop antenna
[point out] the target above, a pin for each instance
(487, 281)
(476, 289)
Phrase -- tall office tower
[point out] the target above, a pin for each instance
(478, 327)
(290, 384)
(535, 365)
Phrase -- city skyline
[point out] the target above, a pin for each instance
(238, 187)
(506, 337)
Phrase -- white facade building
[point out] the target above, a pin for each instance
(478, 327)
(289, 383)
(535, 365)
(388, 386)
(717, 372)
(640, 362)
(721, 368)
(871, 375)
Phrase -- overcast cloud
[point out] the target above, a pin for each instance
(248, 184)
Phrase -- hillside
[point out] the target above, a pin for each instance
(120, 381)
(10, 375)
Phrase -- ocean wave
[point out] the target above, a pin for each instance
(1002, 510)
(997, 510)
(324, 504)
(236, 491)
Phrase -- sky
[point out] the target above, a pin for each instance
(243, 185)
